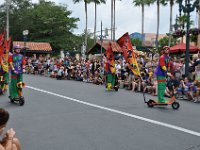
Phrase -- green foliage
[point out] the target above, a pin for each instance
(164, 41)
(142, 2)
(136, 42)
(194, 38)
(46, 22)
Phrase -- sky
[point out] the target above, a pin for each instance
(128, 16)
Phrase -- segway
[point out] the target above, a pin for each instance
(151, 103)
(20, 100)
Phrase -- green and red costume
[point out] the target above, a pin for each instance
(161, 73)
(17, 63)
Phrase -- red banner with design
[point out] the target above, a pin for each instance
(129, 55)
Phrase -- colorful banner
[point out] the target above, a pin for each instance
(5, 48)
(110, 62)
(129, 55)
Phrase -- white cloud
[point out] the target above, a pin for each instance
(128, 17)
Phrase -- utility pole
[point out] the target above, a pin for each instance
(101, 38)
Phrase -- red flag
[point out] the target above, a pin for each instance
(129, 55)
(8, 45)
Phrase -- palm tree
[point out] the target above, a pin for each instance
(142, 3)
(198, 39)
(96, 2)
(112, 3)
(171, 3)
(114, 6)
(158, 2)
(182, 20)
(86, 18)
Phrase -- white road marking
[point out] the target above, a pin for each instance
(120, 112)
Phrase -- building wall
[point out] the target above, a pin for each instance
(149, 38)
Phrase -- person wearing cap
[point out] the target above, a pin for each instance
(17, 64)
(161, 72)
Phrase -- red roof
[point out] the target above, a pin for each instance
(182, 47)
(34, 46)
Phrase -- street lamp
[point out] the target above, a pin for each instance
(188, 8)
(25, 34)
(176, 26)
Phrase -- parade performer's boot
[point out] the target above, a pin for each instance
(21, 85)
(6, 87)
(113, 81)
(161, 92)
(2, 84)
(6, 76)
(109, 85)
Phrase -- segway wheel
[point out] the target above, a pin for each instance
(175, 105)
(21, 101)
(12, 100)
(150, 103)
(116, 89)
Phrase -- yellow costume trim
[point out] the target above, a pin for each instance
(164, 68)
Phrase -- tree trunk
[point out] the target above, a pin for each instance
(95, 22)
(198, 38)
(111, 20)
(86, 19)
(142, 24)
(170, 23)
(114, 21)
(158, 23)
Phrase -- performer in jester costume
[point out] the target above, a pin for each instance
(4, 62)
(110, 67)
(17, 64)
(162, 70)
(4, 75)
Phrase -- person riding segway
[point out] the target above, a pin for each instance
(17, 65)
(162, 71)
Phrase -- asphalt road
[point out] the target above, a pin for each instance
(72, 115)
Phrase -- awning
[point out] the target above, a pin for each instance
(180, 48)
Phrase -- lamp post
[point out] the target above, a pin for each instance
(25, 34)
(188, 8)
(176, 26)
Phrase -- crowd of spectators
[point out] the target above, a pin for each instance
(92, 71)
